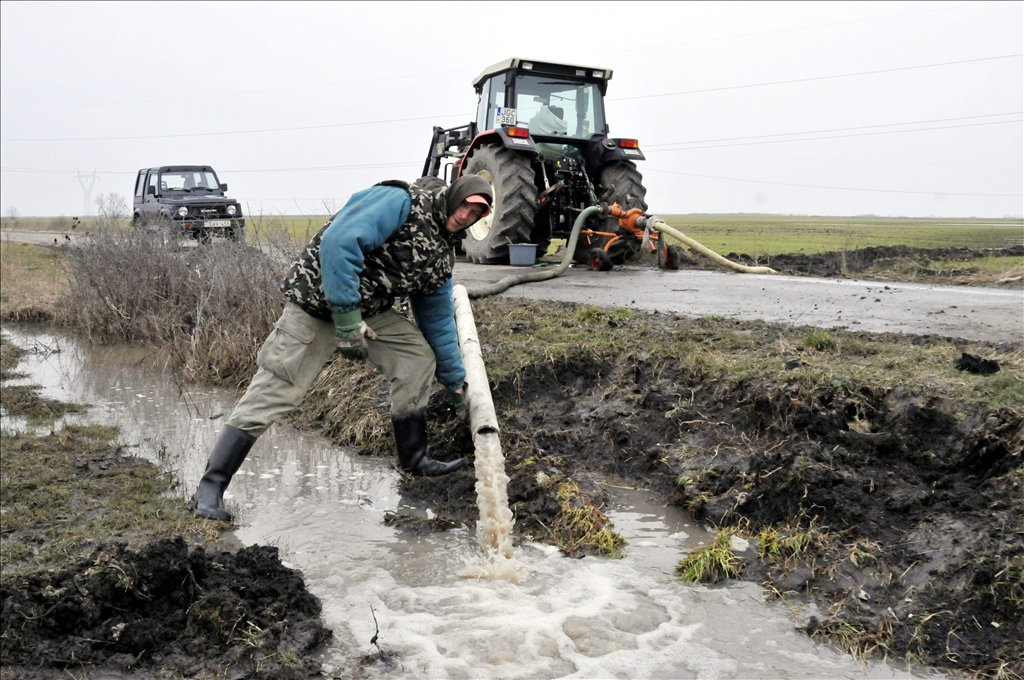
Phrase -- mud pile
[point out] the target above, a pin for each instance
(884, 262)
(107, 573)
(166, 608)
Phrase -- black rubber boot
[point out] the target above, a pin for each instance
(411, 440)
(231, 448)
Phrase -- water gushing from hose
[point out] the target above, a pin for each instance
(494, 530)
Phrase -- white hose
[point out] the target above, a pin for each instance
(659, 224)
(494, 530)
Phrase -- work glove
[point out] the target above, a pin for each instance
(351, 334)
(458, 398)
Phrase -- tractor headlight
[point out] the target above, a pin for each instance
(182, 211)
(232, 210)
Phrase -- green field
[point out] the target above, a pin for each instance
(759, 235)
(749, 234)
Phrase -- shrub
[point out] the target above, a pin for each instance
(209, 308)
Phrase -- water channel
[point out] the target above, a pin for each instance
(323, 507)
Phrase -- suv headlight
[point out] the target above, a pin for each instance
(182, 211)
(232, 210)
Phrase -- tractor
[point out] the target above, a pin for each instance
(541, 139)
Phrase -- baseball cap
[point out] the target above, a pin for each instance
(482, 200)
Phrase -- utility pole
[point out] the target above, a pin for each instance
(87, 182)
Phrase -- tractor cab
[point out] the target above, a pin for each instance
(558, 101)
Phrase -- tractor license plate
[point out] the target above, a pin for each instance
(507, 116)
(218, 223)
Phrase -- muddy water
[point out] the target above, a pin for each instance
(553, 618)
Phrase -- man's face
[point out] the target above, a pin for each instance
(464, 216)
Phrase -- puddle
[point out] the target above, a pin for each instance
(324, 506)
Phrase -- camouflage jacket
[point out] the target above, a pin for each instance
(389, 241)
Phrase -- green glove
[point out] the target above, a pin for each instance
(351, 334)
(459, 403)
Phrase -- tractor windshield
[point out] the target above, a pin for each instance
(552, 106)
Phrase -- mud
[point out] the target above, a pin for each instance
(901, 516)
(885, 262)
(89, 589)
(163, 610)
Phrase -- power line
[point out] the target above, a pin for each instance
(357, 166)
(812, 78)
(354, 166)
(452, 115)
(858, 134)
(679, 146)
(229, 132)
(794, 29)
(222, 95)
(813, 132)
(834, 188)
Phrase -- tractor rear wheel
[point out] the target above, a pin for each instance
(515, 204)
(627, 189)
(626, 184)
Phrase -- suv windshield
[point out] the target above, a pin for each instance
(550, 106)
(189, 180)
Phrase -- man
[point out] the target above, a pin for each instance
(389, 241)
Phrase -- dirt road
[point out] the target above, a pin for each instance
(972, 313)
(40, 238)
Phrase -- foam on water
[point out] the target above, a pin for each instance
(578, 619)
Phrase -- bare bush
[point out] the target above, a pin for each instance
(209, 308)
(13, 217)
(111, 210)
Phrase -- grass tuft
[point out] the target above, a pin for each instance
(581, 528)
(712, 563)
(820, 339)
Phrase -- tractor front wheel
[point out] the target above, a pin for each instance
(515, 204)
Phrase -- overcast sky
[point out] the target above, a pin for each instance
(827, 108)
